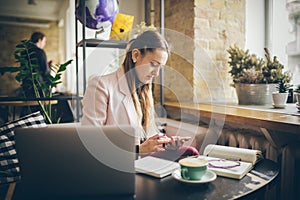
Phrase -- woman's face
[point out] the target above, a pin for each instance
(147, 67)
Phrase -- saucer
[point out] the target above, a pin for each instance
(279, 106)
(207, 177)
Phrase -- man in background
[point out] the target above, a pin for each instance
(39, 40)
(60, 111)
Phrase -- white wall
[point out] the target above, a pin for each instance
(255, 26)
(259, 36)
(280, 31)
(69, 23)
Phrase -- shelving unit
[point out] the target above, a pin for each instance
(89, 42)
(92, 42)
(97, 43)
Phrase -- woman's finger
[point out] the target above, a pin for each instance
(163, 140)
(156, 136)
(159, 148)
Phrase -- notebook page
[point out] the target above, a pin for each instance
(231, 153)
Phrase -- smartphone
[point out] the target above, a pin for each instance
(177, 143)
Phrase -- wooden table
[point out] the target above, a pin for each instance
(23, 103)
(222, 188)
(281, 127)
(148, 188)
(7, 101)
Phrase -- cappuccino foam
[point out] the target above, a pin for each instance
(193, 162)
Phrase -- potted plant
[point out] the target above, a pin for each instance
(254, 78)
(280, 97)
(28, 75)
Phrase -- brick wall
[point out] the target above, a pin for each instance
(199, 32)
(218, 24)
(12, 36)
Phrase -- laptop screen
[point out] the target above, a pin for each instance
(76, 161)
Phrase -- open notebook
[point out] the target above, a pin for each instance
(156, 167)
(230, 162)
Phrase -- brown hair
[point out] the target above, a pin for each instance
(142, 95)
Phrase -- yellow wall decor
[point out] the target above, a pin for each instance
(121, 27)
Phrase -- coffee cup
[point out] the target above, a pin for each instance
(193, 168)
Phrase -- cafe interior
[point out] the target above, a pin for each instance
(203, 92)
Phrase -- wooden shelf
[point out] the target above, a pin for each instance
(93, 42)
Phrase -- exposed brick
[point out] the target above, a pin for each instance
(202, 43)
(216, 44)
(220, 56)
(217, 4)
(202, 3)
(201, 23)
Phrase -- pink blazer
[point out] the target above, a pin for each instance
(108, 101)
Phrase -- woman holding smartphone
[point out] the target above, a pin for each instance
(125, 97)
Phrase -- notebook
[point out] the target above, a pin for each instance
(156, 167)
(230, 162)
(68, 162)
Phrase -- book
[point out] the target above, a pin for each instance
(230, 162)
(156, 167)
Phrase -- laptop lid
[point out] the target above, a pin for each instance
(80, 161)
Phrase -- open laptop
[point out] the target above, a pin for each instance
(76, 162)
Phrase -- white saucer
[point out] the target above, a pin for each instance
(207, 177)
(279, 106)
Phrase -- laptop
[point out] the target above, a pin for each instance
(76, 162)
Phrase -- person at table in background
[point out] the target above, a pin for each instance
(37, 57)
(39, 42)
(125, 97)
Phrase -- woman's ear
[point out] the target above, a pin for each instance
(135, 55)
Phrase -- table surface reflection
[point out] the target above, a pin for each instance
(254, 183)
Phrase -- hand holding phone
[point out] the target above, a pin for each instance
(177, 141)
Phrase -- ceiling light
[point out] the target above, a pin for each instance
(31, 2)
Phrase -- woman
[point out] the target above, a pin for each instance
(125, 96)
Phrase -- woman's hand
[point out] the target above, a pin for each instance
(154, 143)
(177, 142)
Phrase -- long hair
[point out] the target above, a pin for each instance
(142, 97)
